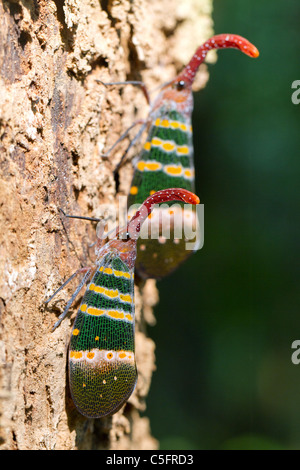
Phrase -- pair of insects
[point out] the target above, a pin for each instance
(102, 368)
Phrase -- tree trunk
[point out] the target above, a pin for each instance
(56, 122)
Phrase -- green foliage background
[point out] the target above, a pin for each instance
(227, 318)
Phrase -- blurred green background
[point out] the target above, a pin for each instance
(227, 318)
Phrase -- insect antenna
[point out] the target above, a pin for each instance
(92, 219)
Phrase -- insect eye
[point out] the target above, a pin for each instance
(180, 85)
(127, 236)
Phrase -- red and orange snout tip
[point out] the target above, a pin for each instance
(235, 41)
(253, 51)
(189, 197)
(245, 46)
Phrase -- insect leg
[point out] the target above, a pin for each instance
(92, 219)
(132, 142)
(99, 230)
(78, 289)
(142, 122)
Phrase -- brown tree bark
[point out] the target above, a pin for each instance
(55, 123)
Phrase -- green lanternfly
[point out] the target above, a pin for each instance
(166, 160)
(102, 368)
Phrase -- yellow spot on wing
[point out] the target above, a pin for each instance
(75, 332)
(150, 166)
(95, 311)
(141, 166)
(189, 174)
(125, 298)
(147, 146)
(175, 124)
(116, 314)
(173, 170)
(133, 190)
(172, 124)
(122, 274)
(99, 289)
(153, 166)
(106, 270)
(183, 150)
(156, 141)
(168, 146)
(83, 307)
(111, 293)
(108, 292)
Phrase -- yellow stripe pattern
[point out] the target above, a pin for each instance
(117, 273)
(173, 125)
(116, 314)
(148, 166)
(111, 293)
(97, 355)
(166, 146)
(171, 170)
(178, 170)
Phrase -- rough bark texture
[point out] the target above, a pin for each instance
(55, 121)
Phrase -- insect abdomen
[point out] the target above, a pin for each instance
(102, 369)
(165, 162)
